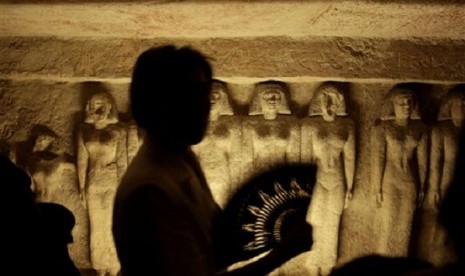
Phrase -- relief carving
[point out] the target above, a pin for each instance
(46, 165)
(101, 162)
(328, 140)
(271, 135)
(219, 151)
(398, 167)
(435, 246)
(54, 180)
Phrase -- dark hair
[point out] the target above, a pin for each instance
(159, 80)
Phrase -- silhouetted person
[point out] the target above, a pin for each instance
(57, 223)
(164, 210)
(380, 266)
(20, 219)
(35, 235)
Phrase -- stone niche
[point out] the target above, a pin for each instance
(50, 75)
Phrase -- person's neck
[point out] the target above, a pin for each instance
(171, 145)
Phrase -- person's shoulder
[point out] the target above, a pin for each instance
(375, 264)
(452, 269)
(147, 175)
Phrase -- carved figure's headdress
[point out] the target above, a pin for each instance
(224, 103)
(261, 88)
(446, 103)
(107, 112)
(324, 89)
(42, 130)
(395, 93)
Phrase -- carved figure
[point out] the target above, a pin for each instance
(43, 165)
(219, 151)
(399, 158)
(328, 139)
(270, 136)
(54, 179)
(435, 246)
(102, 161)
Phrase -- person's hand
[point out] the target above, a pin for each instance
(296, 239)
(379, 198)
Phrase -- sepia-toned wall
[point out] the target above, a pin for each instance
(60, 107)
(48, 79)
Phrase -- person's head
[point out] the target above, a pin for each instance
(7, 150)
(58, 221)
(101, 109)
(328, 102)
(20, 199)
(170, 94)
(270, 99)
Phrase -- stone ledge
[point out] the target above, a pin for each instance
(269, 57)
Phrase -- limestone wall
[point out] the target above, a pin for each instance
(59, 105)
(47, 77)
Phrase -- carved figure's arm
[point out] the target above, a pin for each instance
(349, 163)
(436, 160)
(422, 157)
(234, 153)
(306, 143)
(293, 147)
(82, 162)
(378, 160)
(448, 170)
(248, 153)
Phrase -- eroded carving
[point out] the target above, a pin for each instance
(54, 180)
(271, 135)
(435, 246)
(219, 151)
(398, 167)
(328, 139)
(101, 162)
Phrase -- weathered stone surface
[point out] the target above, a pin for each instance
(261, 57)
(51, 50)
(59, 105)
(206, 19)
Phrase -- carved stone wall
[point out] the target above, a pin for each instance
(59, 105)
(47, 76)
